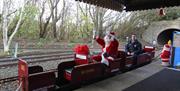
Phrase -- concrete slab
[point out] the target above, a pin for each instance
(122, 81)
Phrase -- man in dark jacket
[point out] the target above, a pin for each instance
(133, 48)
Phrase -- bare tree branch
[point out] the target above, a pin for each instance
(81, 9)
(17, 26)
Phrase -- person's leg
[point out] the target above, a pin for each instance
(135, 59)
(97, 58)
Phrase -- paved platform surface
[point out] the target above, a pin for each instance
(122, 81)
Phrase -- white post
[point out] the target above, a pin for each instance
(94, 36)
(154, 43)
(15, 50)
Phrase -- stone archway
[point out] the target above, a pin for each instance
(165, 36)
(161, 31)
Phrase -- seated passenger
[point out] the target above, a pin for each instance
(109, 48)
(133, 48)
(127, 41)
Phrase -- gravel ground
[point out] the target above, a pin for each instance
(10, 86)
(13, 71)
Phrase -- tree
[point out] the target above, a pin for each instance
(55, 18)
(64, 18)
(43, 24)
(7, 20)
(9, 16)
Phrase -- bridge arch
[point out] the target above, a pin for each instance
(166, 35)
(161, 31)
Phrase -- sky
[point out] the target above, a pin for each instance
(15, 3)
(1, 6)
(71, 3)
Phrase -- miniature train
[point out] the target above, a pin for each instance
(70, 75)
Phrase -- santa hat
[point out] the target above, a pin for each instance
(112, 33)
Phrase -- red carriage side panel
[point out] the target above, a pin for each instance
(43, 81)
(150, 50)
(143, 58)
(87, 72)
(81, 72)
(37, 80)
(114, 66)
(23, 74)
(122, 55)
(129, 61)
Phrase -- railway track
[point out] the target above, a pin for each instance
(36, 53)
(37, 57)
(34, 58)
(40, 52)
(15, 78)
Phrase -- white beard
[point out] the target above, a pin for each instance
(107, 40)
(107, 43)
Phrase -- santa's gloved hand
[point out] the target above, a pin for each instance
(96, 37)
(111, 58)
(132, 53)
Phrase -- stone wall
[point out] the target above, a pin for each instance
(154, 30)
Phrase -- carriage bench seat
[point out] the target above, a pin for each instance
(43, 81)
(83, 72)
(67, 73)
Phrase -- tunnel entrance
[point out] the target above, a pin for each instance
(165, 35)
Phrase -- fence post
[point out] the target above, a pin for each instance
(15, 50)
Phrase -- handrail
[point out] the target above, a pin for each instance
(18, 89)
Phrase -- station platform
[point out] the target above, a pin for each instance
(122, 82)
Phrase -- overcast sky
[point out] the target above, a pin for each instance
(71, 3)
(1, 6)
(15, 4)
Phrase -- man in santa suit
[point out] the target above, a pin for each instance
(165, 54)
(109, 48)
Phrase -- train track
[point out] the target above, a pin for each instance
(41, 52)
(9, 79)
(37, 57)
(15, 78)
(34, 58)
(36, 53)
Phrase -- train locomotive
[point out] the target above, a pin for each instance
(70, 74)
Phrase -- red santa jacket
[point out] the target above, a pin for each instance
(111, 49)
(165, 55)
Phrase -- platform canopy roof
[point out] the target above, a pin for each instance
(132, 5)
